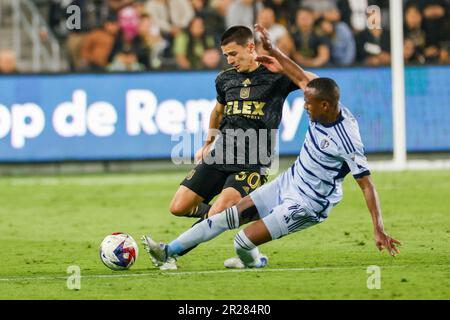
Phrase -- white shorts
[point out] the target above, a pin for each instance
(282, 208)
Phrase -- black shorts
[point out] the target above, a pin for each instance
(208, 181)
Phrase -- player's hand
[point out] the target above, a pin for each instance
(270, 63)
(201, 154)
(198, 156)
(265, 38)
(384, 241)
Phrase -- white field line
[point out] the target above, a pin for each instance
(186, 273)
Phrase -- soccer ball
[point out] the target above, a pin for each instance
(118, 251)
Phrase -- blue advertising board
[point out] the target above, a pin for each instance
(144, 115)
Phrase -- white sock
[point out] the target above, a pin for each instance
(205, 230)
(246, 250)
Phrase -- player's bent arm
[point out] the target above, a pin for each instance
(287, 65)
(296, 73)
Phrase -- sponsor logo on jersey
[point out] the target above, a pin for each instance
(245, 108)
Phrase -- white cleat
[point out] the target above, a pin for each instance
(157, 251)
(236, 263)
(170, 264)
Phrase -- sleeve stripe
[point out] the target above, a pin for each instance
(362, 174)
(346, 135)
(342, 140)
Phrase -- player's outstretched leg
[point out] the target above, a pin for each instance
(227, 199)
(205, 216)
(204, 231)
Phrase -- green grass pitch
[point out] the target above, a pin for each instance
(50, 223)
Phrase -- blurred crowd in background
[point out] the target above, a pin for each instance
(138, 35)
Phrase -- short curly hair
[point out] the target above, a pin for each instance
(326, 89)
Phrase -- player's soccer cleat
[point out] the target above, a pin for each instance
(236, 263)
(157, 251)
(264, 261)
(170, 264)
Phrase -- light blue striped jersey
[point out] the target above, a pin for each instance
(328, 154)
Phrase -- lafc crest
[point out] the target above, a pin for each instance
(245, 92)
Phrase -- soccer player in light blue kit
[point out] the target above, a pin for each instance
(302, 196)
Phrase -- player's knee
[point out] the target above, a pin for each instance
(178, 209)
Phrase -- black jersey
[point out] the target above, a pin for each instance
(253, 107)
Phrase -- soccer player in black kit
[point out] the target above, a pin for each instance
(250, 101)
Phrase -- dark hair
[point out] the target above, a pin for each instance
(239, 34)
(326, 89)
